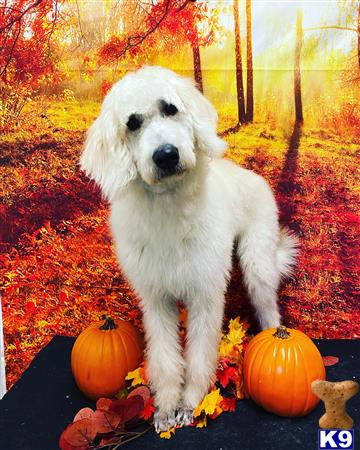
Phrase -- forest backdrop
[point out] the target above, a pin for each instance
(284, 77)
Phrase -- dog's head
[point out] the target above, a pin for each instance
(153, 124)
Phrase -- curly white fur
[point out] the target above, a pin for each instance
(174, 235)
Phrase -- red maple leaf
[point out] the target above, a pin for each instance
(148, 410)
(225, 374)
(228, 404)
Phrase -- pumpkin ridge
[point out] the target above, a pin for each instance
(261, 391)
(294, 360)
(134, 338)
(86, 355)
(134, 342)
(277, 348)
(307, 399)
(116, 352)
(124, 352)
(79, 343)
(258, 349)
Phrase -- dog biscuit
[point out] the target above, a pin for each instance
(335, 395)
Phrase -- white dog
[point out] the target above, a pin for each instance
(176, 210)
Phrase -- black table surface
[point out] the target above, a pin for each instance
(43, 402)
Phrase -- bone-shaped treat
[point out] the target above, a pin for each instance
(335, 396)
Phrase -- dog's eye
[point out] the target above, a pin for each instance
(134, 122)
(169, 109)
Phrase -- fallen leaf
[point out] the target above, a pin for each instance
(136, 377)
(209, 403)
(103, 404)
(84, 413)
(330, 360)
(129, 408)
(80, 433)
(225, 375)
(64, 445)
(106, 421)
(148, 410)
(202, 422)
(30, 308)
(228, 404)
(143, 391)
(167, 434)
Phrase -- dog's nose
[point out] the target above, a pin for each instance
(166, 157)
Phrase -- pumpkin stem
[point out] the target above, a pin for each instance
(282, 332)
(109, 324)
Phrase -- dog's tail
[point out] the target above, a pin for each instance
(287, 251)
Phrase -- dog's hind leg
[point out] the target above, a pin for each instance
(164, 359)
(265, 256)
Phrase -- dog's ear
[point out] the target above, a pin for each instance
(106, 157)
(204, 118)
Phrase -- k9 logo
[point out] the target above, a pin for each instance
(336, 439)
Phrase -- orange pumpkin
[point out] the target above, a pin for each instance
(102, 356)
(279, 366)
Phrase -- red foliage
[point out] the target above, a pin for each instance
(228, 404)
(105, 87)
(110, 419)
(346, 117)
(183, 21)
(184, 24)
(225, 373)
(112, 50)
(26, 28)
(148, 410)
(78, 435)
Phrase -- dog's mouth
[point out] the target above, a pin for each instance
(175, 172)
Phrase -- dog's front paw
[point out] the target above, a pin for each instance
(184, 416)
(163, 421)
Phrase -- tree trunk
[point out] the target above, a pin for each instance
(197, 68)
(297, 72)
(249, 66)
(239, 70)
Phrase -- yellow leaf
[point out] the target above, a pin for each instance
(217, 412)
(236, 331)
(233, 338)
(225, 347)
(209, 403)
(167, 434)
(235, 324)
(135, 376)
(202, 422)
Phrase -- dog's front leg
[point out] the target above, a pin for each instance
(164, 359)
(205, 318)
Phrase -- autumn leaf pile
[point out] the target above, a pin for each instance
(58, 269)
(229, 382)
